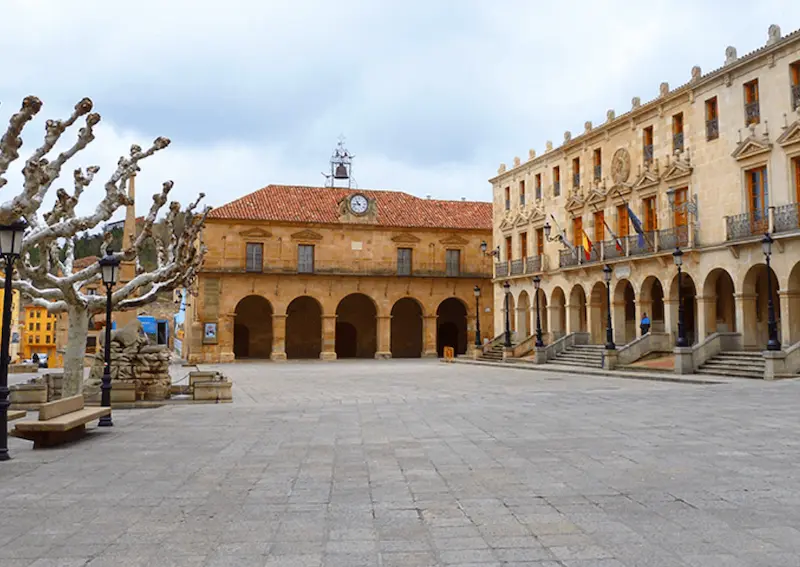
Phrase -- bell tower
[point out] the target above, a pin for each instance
(341, 174)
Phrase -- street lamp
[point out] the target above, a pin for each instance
(677, 256)
(689, 206)
(109, 266)
(477, 292)
(10, 249)
(609, 330)
(507, 289)
(537, 281)
(485, 247)
(547, 230)
(773, 343)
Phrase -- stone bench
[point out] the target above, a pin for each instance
(16, 414)
(22, 368)
(59, 422)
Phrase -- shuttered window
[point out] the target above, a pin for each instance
(453, 262)
(255, 257)
(305, 258)
(404, 261)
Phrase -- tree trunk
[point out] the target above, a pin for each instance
(76, 351)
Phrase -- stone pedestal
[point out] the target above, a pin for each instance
(212, 391)
(539, 355)
(54, 382)
(327, 355)
(775, 365)
(23, 368)
(684, 361)
(609, 359)
(508, 352)
(123, 393)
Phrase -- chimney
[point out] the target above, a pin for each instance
(427, 197)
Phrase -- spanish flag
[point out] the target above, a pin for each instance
(587, 246)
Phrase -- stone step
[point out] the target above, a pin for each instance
(732, 368)
(742, 357)
(736, 373)
(578, 360)
(743, 353)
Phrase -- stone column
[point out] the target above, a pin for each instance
(746, 319)
(618, 318)
(384, 336)
(671, 319)
(429, 336)
(788, 338)
(328, 338)
(704, 324)
(596, 323)
(278, 338)
(573, 321)
(637, 318)
(225, 337)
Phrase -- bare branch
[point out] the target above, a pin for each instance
(11, 141)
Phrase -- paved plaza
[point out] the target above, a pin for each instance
(420, 463)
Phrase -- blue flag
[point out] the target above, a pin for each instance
(637, 226)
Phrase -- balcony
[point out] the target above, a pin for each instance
(712, 129)
(360, 268)
(677, 142)
(598, 172)
(568, 258)
(786, 218)
(500, 269)
(752, 113)
(795, 97)
(646, 246)
(647, 152)
(610, 250)
(522, 200)
(539, 193)
(576, 180)
(671, 238)
(746, 225)
(517, 267)
(533, 264)
(508, 204)
(556, 188)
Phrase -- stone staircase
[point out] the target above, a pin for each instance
(581, 355)
(493, 354)
(742, 364)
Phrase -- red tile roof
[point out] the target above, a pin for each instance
(85, 262)
(284, 203)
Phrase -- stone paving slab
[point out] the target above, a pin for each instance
(418, 463)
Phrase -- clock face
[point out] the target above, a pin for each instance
(359, 204)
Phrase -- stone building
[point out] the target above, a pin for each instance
(709, 166)
(39, 334)
(329, 272)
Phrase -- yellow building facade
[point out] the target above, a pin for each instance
(326, 273)
(710, 166)
(39, 334)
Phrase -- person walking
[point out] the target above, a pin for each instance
(645, 325)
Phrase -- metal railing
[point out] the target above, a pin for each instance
(522, 200)
(677, 142)
(533, 264)
(746, 225)
(671, 238)
(508, 204)
(576, 180)
(610, 250)
(786, 217)
(795, 97)
(500, 269)
(363, 268)
(752, 113)
(712, 129)
(517, 267)
(539, 193)
(556, 188)
(567, 258)
(641, 244)
(598, 172)
(647, 151)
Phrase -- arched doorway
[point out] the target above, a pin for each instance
(624, 312)
(356, 327)
(523, 315)
(451, 328)
(719, 306)
(303, 328)
(652, 303)
(558, 313)
(689, 294)
(598, 313)
(406, 329)
(252, 328)
(576, 310)
(755, 302)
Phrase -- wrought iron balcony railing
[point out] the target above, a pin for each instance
(539, 193)
(677, 142)
(598, 172)
(533, 264)
(647, 151)
(644, 244)
(576, 180)
(517, 267)
(746, 225)
(556, 188)
(501, 269)
(795, 97)
(712, 129)
(671, 238)
(508, 204)
(786, 218)
(567, 258)
(360, 268)
(522, 200)
(610, 250)
(752, 113)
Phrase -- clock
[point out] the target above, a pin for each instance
(359, 204)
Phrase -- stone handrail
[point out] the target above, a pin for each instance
(498, 339)
(525, 346)
(792, 361)
(653, 341)
(714, 344)
(562, 344)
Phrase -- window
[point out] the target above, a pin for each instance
(523, 245)
(508, 249)
(30, 326)
(796, 162)
(650, 214)
(538, 186)
(576, 172)
(622, 220)
(752, 113)
(794, 70)
(577, 231)
(539, 241)
(47, 327)
(598, 164)
(255, 257)
(91, 291)
(680, 198)
(556, 181)
(47, 339)
(404, 261)
(508, 198)
(677, 132)
(712, 121)
(38, 325)
(305, 258)
(599, 226)
(647, 145)
(453, 262)
(38, 314)
(30, 339)
(522, 193)
(757, 197)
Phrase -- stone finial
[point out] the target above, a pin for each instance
(636, 102)
(531, 154)
(501, 169)
(730, 55)
(587, 126)
(548, 146)
(610, 115)
(774, 34)
(663, 89)
(696, 73)
(517, 161)
(567, 136)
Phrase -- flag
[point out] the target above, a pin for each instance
(564, 240)
(637, 225)
(587, 246)
(614, 236)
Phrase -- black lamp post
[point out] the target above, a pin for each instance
(537, 281)
(477, 292)
(109, 265)
(547, 230)
(10, 249)
(772, 326)
(677, 256)
(507, 290)
(609, 330)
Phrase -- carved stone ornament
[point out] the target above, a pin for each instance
(587, 126)
(663, 89)
(610, 115)
(516, 161)
(620, 166)
(531, 154)
(548, 146)
(567, 136)
(636, 102)
(696, 73)
(501, 169)
(774, 34)
(730, 55)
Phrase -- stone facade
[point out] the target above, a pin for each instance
(293, 272)
(727, 143)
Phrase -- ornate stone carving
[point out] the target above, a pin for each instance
(255, 233)
(773, 34)
(306, 234)
(610, 115)
(587, 126)
(517, 161)
(405, 238)
(548, 146)
(730, 55)
(620, 166)
(567, 136)
(696, 73)
(501, 169)
(531, 154)
(663, 89)
(636, 102)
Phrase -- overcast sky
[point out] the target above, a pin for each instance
(430, 95)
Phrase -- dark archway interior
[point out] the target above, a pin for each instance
(303, 328)
(357, 311)
(657, 297)
(346, 341)
(252, 328)
(406, 329)
(451, 329)
(241, 341)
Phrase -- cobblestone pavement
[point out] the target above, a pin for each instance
(417, 463)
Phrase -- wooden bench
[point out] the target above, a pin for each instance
(59, 422)
(16, 414)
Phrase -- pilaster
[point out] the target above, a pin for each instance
(384, 323)
(328, 338)
(278, 338)
(429, 330)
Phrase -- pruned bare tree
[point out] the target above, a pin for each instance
(51, 281)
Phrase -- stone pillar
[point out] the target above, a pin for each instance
(278, 338)
(671, 319)
(596, 323)
(609, 359)
(746, 319)
(384, 336)
(704, 324)
(787, 337)
(225, 337)
(328, 338)
(618, 317)
(775, 365)
(684, 361)
(429, 336)
(573, 321)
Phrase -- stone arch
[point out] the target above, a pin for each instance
(558, 313)
(651, 300)
(718, 304)
(576, 310)
(598, 313)
(406, 328)
(523, 312)
(689, 292)
(252, 328)
(755, 315)
(624, 312)
(356, 327)
(792, 295)
(303, 328)
(451, 325)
